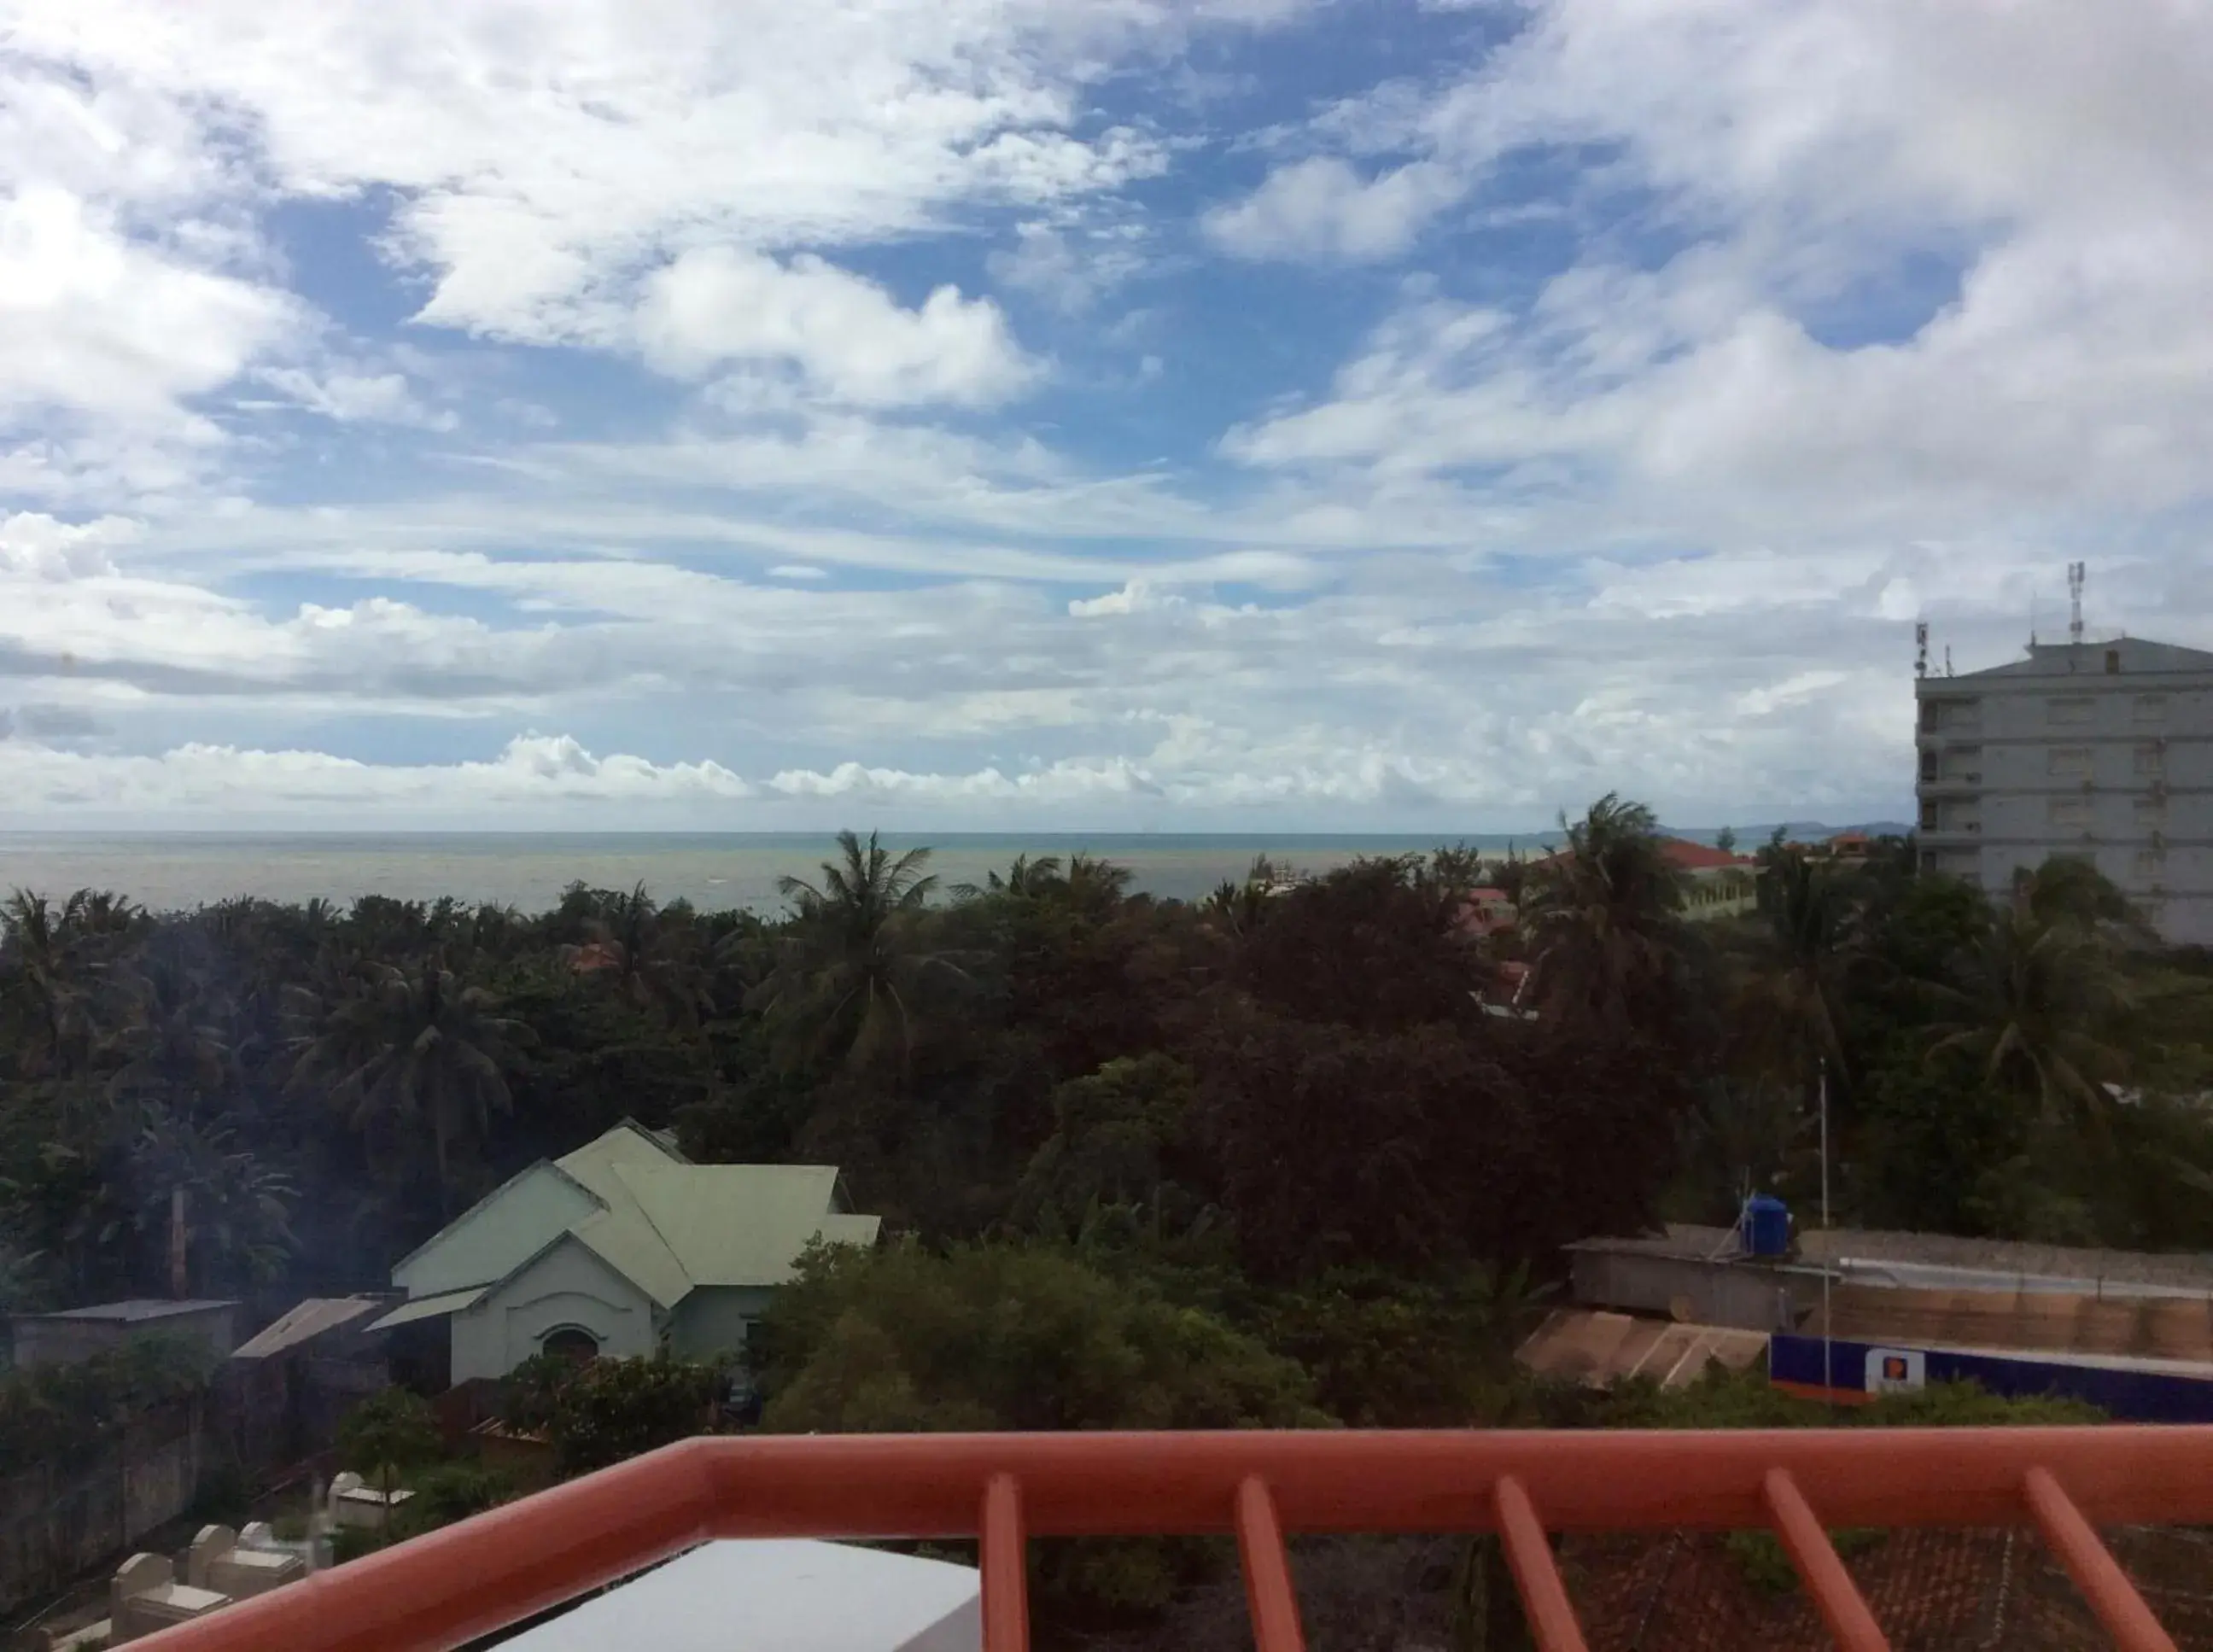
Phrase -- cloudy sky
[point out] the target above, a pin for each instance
(1386, 415)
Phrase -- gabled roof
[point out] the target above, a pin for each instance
(669, 1225)
(742, 1224)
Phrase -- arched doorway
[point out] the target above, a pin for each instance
(572, 1342)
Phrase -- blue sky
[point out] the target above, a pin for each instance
(980, 414)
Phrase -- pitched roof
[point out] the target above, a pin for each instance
(1596, 1348)
(742, 1224)
(304, 1323)
(669, 1225)
(1687, 857)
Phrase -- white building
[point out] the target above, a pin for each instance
(620, 1248)
(2101, 750)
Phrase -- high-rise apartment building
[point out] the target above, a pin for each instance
(2102, 750)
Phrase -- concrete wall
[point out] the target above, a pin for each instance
(1745, 1295)
(712, 1321)
(490, 1241)
(567, 1286)
(61, 1520)
(49, 1339)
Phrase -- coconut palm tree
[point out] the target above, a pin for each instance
(648, 954)
(407, 1047)
(1791, 1003)
(2035, 1004)
(849, 974)
(1603, 917)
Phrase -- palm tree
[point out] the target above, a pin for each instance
(408, 1045)
(1791, 1006)
(2034, 1003)
(53, 963)
(1603, 917)
(849, 973)
(648, 954)
(1026, 880)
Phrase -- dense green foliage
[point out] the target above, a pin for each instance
(1296, 1077)
(1282, 1156)
(51, 1412)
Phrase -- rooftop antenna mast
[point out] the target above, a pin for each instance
(2076, 572)
(1921, 648)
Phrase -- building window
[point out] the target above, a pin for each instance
(1928, 714)
(2072, 712)
(2068, 811)
(2151, 708)
(2150, 759)
(1928, 817)
(2070, 762)
(572, 1342)
(2113, 662)
(1928, 765)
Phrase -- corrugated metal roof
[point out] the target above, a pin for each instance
(1597, 1348)
(428, 1307)
(740, 1224)
(305, 1322)
(137, 1310)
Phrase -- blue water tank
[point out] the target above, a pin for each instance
(1766, 1223)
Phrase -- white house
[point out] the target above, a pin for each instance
(618, 1247)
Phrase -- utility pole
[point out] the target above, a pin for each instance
(178, 1279)
(1828, 1373)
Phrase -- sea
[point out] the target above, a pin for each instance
(715, 871)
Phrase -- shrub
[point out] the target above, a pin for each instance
(614, 1409)
(55, 1410)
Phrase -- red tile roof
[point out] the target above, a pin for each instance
(1688, 856)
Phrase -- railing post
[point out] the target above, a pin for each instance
(1004, 1555)
(1269, 1595)
(1832, 1587)
(1529, 1553)
(2091, 1566)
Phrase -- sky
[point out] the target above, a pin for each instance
(1181, 415)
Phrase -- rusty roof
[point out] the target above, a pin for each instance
(1597, 1348)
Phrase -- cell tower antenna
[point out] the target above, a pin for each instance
(1921, 648)
(1947, 659)
(2076, 572)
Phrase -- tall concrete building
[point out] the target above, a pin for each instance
(2102, 750)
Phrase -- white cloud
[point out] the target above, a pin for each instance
(797, 570)
(350, 397)
(542, 155)
(1805, 159)
(35, 546)
(1321, 207)
(198, 780)
(849, 337)
(94, 323)
(1069, 268)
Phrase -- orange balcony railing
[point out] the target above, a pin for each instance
(468, 1580)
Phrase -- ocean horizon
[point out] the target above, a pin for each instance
(176, 871)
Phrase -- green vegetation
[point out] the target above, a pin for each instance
(1267, 1158)
(54, 1412)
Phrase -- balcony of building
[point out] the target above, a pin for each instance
(475, 1578)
